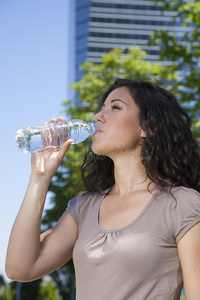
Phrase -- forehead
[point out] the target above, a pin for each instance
(121, 93)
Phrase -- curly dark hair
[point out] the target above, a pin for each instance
(169, 153)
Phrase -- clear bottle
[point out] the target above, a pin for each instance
(32, 139)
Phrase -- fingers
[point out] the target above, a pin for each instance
(53, 120)
(55, 136)
(61, 119)
(52, 136)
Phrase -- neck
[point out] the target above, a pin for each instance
(130, 175)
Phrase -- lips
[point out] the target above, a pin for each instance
(99, 131)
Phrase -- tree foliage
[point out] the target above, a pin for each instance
(35, 290)
(48, 291)
(29, 290)
(4, 293)
(183, 53)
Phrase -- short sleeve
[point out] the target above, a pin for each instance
(72, 208)
(185, 211)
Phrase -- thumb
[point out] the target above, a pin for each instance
(63, 150)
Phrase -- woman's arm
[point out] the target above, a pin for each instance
(189, 253)
(31, 255)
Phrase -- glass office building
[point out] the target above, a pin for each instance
(102, 25)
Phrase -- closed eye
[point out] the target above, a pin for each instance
(116, 107)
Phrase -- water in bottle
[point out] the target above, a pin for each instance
(32, 139)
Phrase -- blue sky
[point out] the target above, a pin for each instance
(34, 63)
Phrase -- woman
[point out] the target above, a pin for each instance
(136, 233)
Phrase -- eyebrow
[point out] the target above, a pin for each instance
(113, 100)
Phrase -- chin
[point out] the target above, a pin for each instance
(99, 150)
(103, 151)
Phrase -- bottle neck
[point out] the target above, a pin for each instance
(93, 127)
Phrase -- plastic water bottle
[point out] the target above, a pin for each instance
(32, 139)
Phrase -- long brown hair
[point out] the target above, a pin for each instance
(169, 153)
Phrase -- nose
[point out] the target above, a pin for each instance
(99, 117)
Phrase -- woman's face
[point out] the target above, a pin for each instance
(119, 125)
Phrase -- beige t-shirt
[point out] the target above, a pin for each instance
(139, 261)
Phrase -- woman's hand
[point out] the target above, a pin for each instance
(47, 161)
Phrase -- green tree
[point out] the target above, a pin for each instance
(5, 295)
(48, 291)
(183, 53)
(6, 292)
(29, 290)
(96, 79)
(2, 281)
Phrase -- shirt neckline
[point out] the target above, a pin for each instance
(105, 193)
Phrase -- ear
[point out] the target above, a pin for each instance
(143, 133)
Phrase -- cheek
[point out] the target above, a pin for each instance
(129, 129)
(129, 136)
